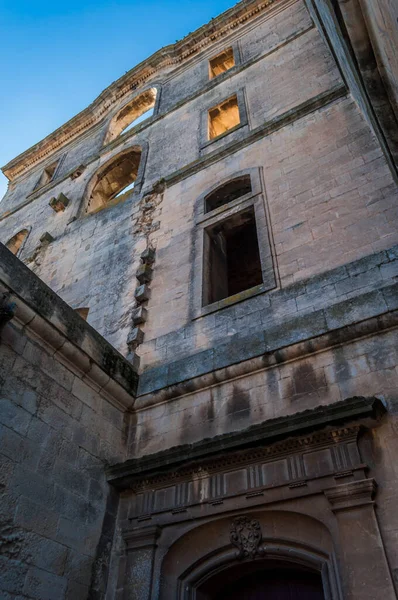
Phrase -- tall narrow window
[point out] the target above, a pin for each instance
(133, 113)
(114, 181)
(47, 175)
(16, 242)
(221, 63)
(232, 261)
(234, 258)
(223, 117)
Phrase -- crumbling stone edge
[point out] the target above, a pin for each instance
(73, 341)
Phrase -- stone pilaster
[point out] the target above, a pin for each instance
(367, 574)
(140, 548)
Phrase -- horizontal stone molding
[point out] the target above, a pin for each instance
(267, 128)
(72, 341)
(127, 474)
(315, 331)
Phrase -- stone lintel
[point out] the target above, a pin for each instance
(351, 495)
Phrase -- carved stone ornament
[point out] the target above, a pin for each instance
(246, 536)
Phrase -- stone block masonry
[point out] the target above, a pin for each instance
(64, 392)
(238, 365)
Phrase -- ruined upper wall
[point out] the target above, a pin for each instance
(159, 62)
(320, 182)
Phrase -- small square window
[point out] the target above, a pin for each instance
(221, 63)
(47, 175)
(223, 117)
(232, 261)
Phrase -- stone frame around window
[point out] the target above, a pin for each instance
(256, 199)
(40, 187)
(204, 118)
(237, 60)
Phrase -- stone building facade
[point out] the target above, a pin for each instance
(199, 354)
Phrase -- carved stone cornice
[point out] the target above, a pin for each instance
(174, 54)
(352, 495)
(320, 439)
(210, 455)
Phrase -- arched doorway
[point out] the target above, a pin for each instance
(263, 580)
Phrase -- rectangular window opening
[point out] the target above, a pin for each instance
(232, 261)
(223, 117)
(221, 63)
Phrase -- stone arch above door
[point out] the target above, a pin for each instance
(285, 537)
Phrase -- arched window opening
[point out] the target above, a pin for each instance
(228, 192)
(16, 242)
(136, 111)
(129, 188)
(114, 181)
(148, 113)
(260, 580)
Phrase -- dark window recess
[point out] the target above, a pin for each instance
(228, 192)
(231, 258)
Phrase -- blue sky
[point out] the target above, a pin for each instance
(56, 57)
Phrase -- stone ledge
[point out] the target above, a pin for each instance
(121, 475)
(72, 340)
(287, 118)
(362, 299)
(305, 334)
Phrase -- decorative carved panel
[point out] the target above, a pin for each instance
(246, 536)
(292, 463)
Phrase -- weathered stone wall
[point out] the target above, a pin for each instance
(61, 421)
(323, 331)
(92, 261)
(331, 200)
(303, 380)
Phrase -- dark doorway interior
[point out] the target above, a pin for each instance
(263, 581)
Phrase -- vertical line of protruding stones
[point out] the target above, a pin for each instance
(142, 294)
